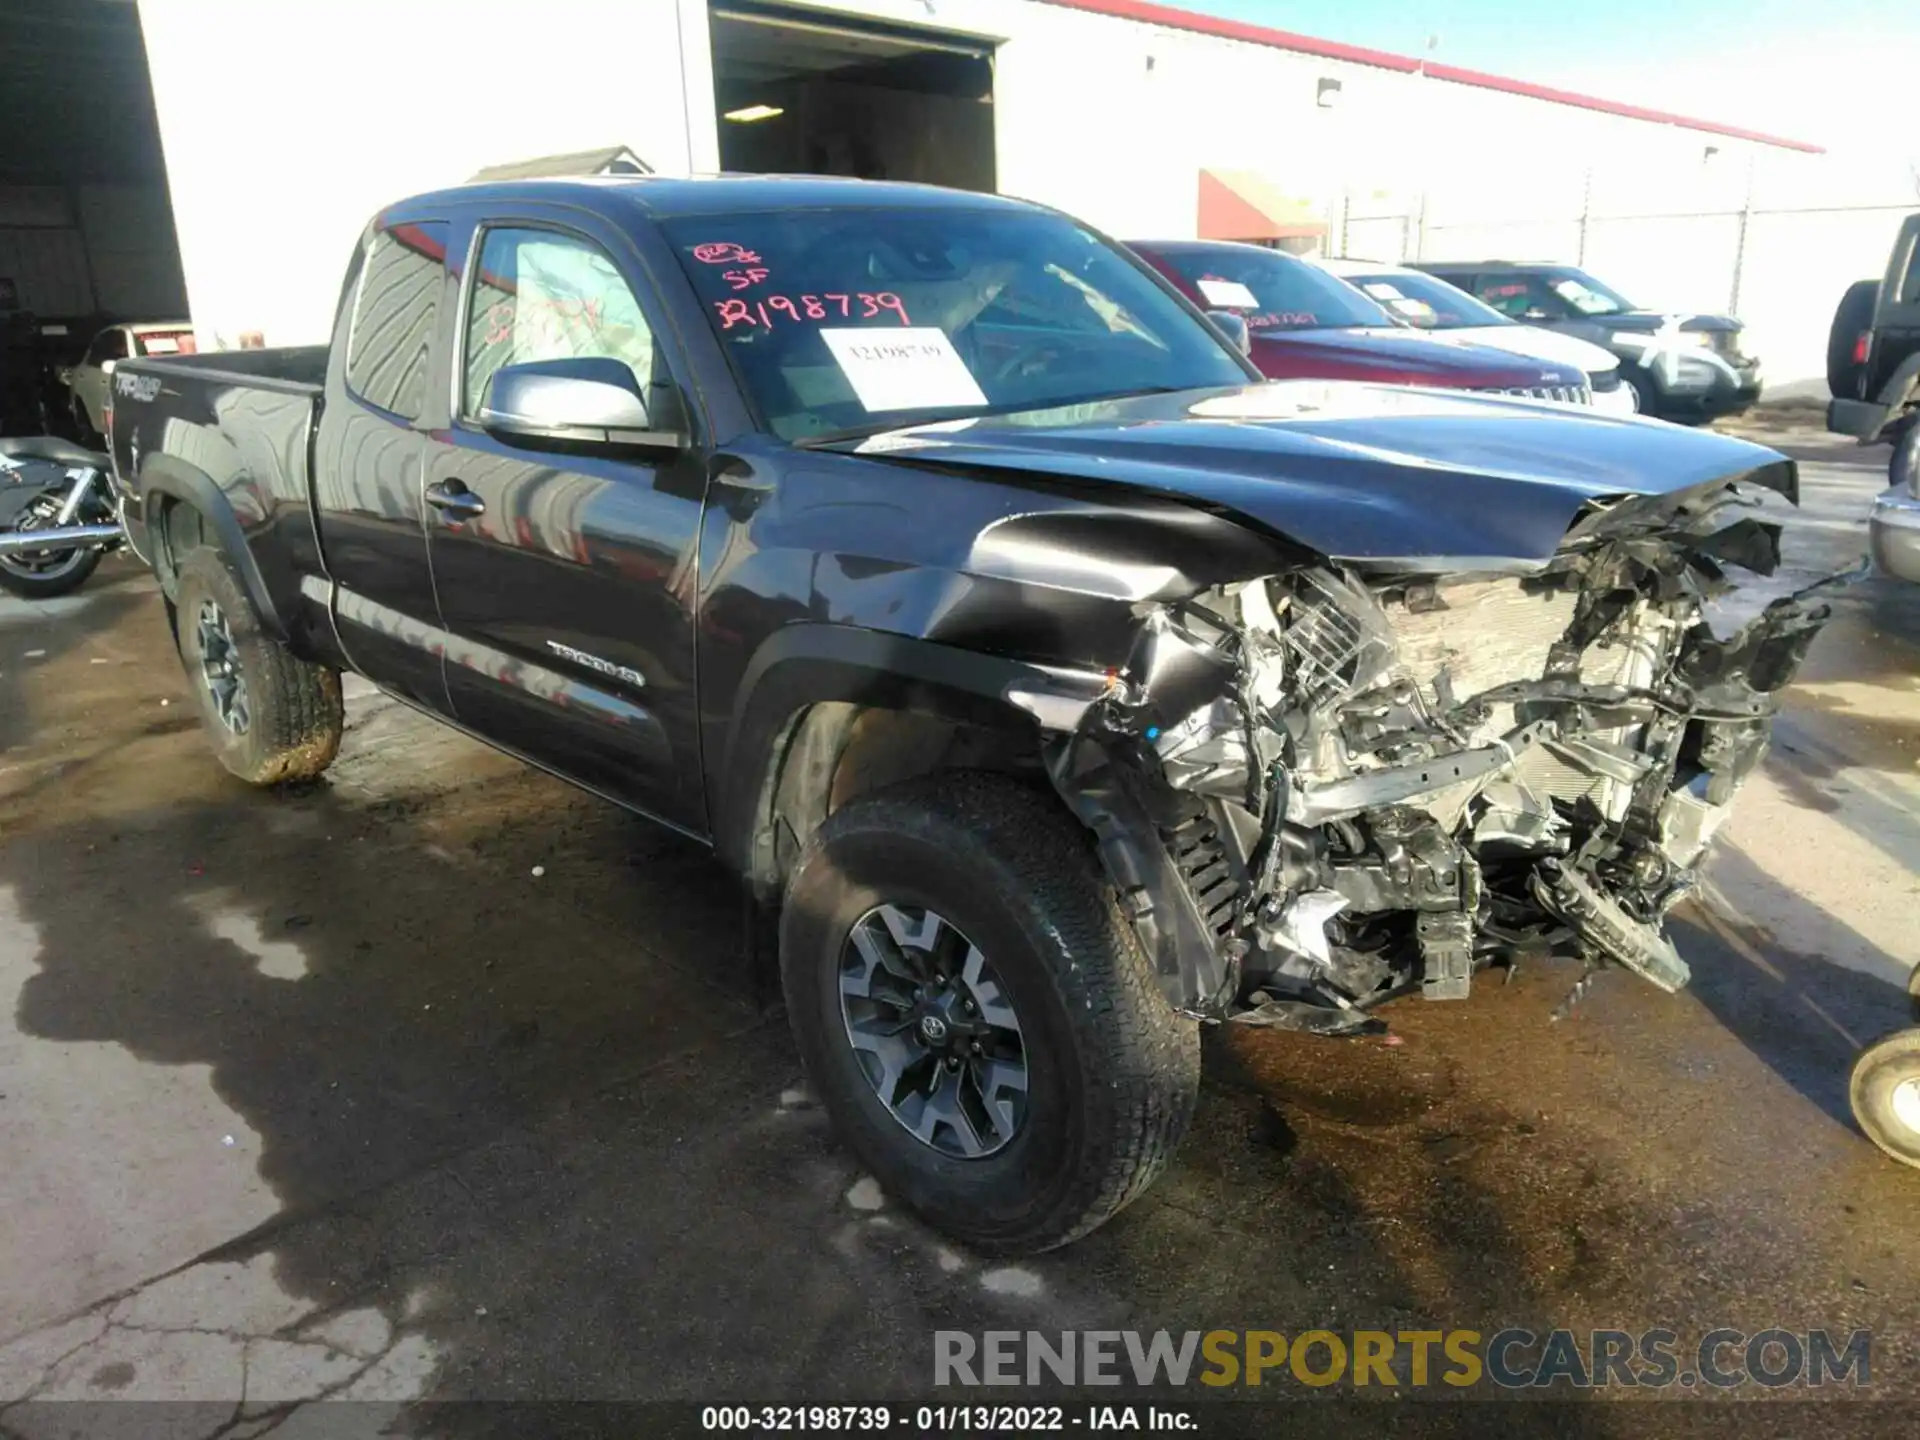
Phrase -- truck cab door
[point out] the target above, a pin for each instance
(566, 574)
(368, 458)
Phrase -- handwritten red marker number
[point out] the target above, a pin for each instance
(784, 308)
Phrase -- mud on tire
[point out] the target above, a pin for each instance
(1111, 1070)
(287, 722)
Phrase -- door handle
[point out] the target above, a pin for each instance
(453, 499)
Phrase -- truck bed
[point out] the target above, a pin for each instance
(300, 366)
(233, 433)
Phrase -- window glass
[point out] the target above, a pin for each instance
(1443, 306)
(540, 295)
(393, 317)
(1270, 290)
(165, 342)
(1910, 287)
(1517, 296)
(108, 345)
(843, 320)
(1584, 297)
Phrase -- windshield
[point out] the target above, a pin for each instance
(842, 321)
(1273, 291)
(1430, 303)
(1588, 295)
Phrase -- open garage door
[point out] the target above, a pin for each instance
(86, 229)
(813, 93)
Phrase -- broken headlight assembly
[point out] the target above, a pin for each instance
(1324, 789)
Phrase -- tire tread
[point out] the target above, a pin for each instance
(298, 713)
(1148, 1054)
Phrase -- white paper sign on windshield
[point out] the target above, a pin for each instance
(1228, 294)
(912, 368)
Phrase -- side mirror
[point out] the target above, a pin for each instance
(1233, 325)
(594, 401)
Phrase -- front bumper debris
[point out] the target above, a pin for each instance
(1322, 790)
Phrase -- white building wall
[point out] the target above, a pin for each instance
(282, 138)
(286, 126)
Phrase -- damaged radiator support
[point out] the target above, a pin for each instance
(1319, 791)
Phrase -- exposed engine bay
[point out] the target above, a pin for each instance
(1370, 782)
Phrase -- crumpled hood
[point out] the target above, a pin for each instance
(1357, 472)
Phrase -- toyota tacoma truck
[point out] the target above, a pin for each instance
(1054, 685)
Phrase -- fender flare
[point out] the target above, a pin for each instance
(163, 475)
(811, 663)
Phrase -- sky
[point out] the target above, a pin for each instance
(1803, 69)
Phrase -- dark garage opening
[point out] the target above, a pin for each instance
(86, 227)
(802, 93)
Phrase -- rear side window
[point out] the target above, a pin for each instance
(393, 314)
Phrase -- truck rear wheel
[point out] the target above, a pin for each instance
(271, 716)
(977, 1016)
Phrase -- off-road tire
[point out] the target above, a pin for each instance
(1880, 1071)
(296, 714)
(1114, 1071)
(1853, 314)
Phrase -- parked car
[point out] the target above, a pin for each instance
(1431, 304)
(1053, 683)
(1304, 324)
(1679, 367)
(89, 382)
(1873, 369)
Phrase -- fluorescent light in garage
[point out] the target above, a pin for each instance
(755, 112)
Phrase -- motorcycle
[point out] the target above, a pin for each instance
(57, 516)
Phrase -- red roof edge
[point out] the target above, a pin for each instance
(1152, 14)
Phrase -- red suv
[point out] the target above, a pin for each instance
(1308, 325)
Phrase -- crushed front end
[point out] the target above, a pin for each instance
(1322, 789)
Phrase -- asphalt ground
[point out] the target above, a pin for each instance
(330, 1094)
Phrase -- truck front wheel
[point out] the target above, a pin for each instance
(977, 1016)
(271, 716)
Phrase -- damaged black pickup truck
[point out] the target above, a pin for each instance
(1055, 683)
